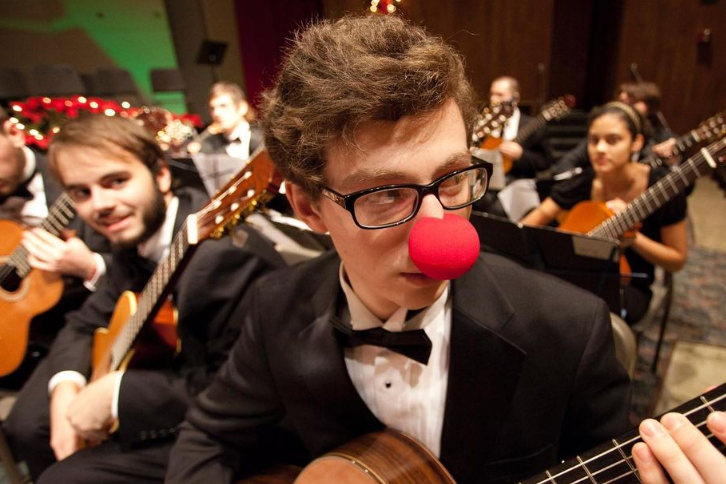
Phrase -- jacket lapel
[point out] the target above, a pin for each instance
(322, 363)
(484, 368)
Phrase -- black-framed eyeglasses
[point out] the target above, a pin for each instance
(391, 205)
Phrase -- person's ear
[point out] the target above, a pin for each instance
(163, 179)
(637, 143)
(15, 135)
(305, 208)
(243, 108)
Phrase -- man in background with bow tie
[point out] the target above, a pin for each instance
(232, 131)
(80, 255)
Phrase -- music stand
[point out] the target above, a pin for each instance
(504, 237)
(184, 173)
(587, 262)
(216, 169)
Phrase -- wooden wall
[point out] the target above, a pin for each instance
(660, 36)
(496, 37)
(586, 47)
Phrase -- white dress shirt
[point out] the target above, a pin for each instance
(403, 393)
(239, 141)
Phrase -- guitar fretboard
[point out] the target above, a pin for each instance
(612, 463)
(530, 128)
(157, 289)
(656, 196)
(60, 215)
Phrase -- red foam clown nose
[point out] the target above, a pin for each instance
(445, 248)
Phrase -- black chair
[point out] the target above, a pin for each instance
(7, 460)
(658, 313)
(13, 85)
(58, 80)
(114, 81)
(167, 80)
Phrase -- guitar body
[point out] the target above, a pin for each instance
(154, 345)
(587, 215)
(492, 143)
(385, 457)
(21, 299)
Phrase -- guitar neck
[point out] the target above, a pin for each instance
(157, 289)
(656, 196)
(528, 129)
(60, 215)
(612, 462)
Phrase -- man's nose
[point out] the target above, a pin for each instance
(100, 199)
(431, 207)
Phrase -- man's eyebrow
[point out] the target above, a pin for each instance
(367, 175)
(104, 178)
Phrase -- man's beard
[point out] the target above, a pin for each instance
(152, 217)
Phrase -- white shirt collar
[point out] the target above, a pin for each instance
(362, 318)
(239, 133)
(157, 246)
(512, 127)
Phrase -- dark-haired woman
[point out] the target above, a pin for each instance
(615, 137)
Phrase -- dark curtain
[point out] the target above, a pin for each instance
(265, 28)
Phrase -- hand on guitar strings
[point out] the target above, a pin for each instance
(617, 205)
(90, 410)
(50, 253)
(511, 149)
(674, 445)
(666, 149)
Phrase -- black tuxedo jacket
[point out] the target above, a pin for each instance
(535, 152)
(216, 144)
(532, 377)
(152, 402)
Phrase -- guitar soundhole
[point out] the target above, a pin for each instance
(10, 280)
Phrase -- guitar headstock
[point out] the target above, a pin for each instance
(490, 119)
(713, 127)
(557, 108)
(253, 185)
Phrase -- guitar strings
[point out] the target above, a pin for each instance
(620, 445)
(59, 215)
(614, 226)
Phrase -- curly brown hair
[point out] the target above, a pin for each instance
(339, 74)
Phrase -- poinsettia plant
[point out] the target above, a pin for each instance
(42, 117)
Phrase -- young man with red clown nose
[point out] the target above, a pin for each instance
(499, 371)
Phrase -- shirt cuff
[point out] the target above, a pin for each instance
(68, 375)
(116, 394)
(92, 283)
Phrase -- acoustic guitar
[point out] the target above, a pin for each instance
(26, 292)
(115, 346)
(554, 109)
(596, 220)
(706, 131)
(392, 457)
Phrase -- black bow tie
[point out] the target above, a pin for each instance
(414, 344)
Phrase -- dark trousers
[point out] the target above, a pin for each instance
(28, 431)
